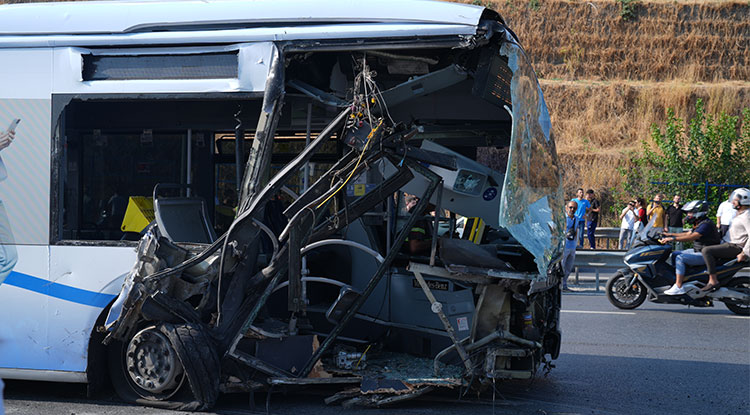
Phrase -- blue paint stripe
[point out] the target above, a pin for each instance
(61, 291)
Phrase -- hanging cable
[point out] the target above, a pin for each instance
(359, 160)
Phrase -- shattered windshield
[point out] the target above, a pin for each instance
(532, 198)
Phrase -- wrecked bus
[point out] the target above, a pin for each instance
(212, 196)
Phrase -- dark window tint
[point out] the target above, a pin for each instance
(104, 169)
(199, 66)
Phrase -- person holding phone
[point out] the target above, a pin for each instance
(628, 217)
(656, 210)
(6, 137)
(8, 253)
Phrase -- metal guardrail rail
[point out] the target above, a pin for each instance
(607, 261)
(610, 234)
(598, 260)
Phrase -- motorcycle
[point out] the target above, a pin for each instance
(651, 271)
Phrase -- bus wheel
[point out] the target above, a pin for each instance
(166, 366)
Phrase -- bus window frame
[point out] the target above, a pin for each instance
(59, 103)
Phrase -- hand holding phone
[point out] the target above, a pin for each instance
(13, 125)
(9, 135)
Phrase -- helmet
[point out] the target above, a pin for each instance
(699, 210)
(743, 194)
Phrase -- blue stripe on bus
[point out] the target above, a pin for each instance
(61, 291)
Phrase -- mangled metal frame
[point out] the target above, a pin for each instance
(148, 292)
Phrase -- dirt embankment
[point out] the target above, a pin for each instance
(598, 124)
(699, 41)
(607, 79)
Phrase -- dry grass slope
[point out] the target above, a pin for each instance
(700, 41)
(597, 124)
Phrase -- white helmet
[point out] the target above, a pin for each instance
(743, 195)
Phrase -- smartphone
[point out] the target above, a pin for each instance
(13, 125)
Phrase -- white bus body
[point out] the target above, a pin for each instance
(58, 288)
(115, 97)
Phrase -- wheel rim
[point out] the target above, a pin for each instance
(625, 293)
(152, 364)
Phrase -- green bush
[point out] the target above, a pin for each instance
(627, 9)
(708, 149)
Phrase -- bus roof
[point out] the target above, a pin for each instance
(129, 16)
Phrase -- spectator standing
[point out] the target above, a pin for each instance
(724, 216)
(582, 211)
(569, 253)
(593, 217)
(628, 217)
(674, 219)
(640, 211)
(656, 211)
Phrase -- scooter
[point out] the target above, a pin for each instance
(651, 271)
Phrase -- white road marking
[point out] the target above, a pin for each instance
(597, 312)
(741, 317)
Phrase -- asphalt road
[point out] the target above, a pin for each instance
(657, 359)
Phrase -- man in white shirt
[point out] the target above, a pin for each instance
(724, 216)
(628, 224)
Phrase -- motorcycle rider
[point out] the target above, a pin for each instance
(703, 234)
(738, 242)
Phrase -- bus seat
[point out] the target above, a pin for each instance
(184, 219)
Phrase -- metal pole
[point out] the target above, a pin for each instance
(189, 161)
(306, 170)
(597, 279)
(706, 190)
(576, 275)
(305, 186)
(239, 138)
(183, 168)
(437, 308)
(388, 222)
(436, 223)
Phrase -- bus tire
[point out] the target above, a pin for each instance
(199, 360)
(188, 368)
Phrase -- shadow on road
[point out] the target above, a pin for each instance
(589, 384)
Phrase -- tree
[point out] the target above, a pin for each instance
(707, 149)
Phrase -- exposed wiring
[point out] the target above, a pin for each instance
(359, 160)
(366, 78)
(363, 356)
(360, 109)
